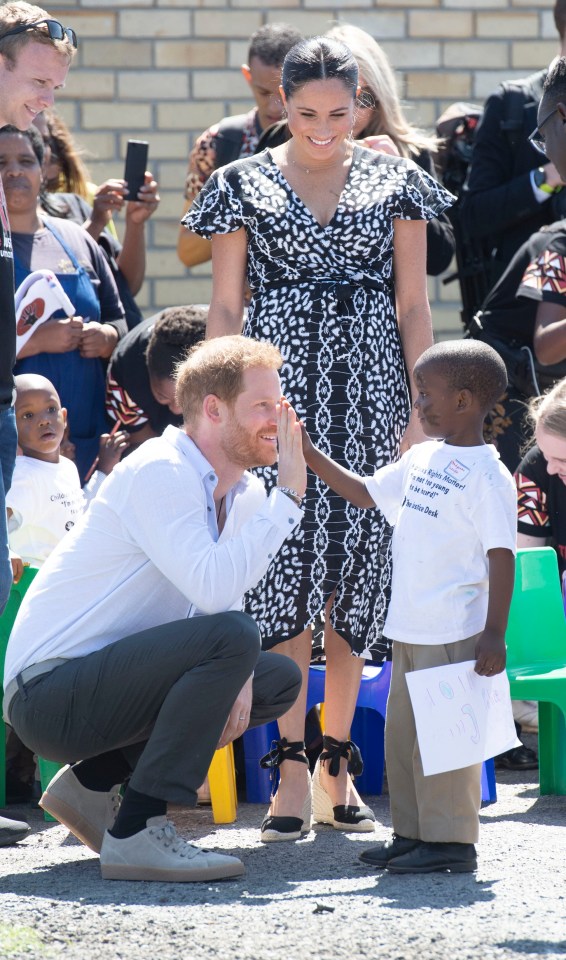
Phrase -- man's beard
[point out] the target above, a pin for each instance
(247, 450)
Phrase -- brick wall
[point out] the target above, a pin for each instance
(163, 70)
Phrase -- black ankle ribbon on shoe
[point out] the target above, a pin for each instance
(333, 750)
(282, 750)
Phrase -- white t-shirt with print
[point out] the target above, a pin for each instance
(448, 506)
(46, 501)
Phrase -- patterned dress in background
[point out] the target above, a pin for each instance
(325, 297)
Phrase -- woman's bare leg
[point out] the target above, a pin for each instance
(342, 684)
(290, 796)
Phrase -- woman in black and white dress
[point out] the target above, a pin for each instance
(332, 239)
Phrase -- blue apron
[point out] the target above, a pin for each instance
(79, 381)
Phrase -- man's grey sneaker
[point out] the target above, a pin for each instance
(86, 813)
(12, 830)
(157, 853)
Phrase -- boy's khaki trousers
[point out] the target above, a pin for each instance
(443, 807)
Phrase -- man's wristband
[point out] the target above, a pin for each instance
(539, 179)
(292, 494)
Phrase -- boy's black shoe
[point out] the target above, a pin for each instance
(380, 855)
(519, 758)
(432, 857)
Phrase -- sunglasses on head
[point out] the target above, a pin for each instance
(55, 30)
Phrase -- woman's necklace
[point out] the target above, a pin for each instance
(337, 163)
(331, 168)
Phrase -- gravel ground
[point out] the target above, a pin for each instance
(312, 899)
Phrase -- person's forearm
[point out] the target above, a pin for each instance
(550, 342)
(213, 575)
(501, 581)
(131, 258)
(345, 483)
(415, 329)
(119, 325)
(95, 226)
(111, 338)
(223, 321)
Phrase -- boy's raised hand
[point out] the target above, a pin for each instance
(308, 446)
(292, 470)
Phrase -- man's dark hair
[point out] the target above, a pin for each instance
(272, 43)
(560, 17)
(175, 332)
(468, 365)
(319, 58)
(554, 90)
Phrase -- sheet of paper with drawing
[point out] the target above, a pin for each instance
(461, 718)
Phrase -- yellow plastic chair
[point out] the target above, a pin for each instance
(536, 657)
(222, 782)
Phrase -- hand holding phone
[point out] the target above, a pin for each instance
(135, 167)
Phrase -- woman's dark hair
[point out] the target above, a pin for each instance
(33, 136)
(319, 58)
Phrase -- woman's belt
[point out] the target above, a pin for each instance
(339, 289)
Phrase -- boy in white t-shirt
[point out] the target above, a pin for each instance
(453, 508)
(46, 498)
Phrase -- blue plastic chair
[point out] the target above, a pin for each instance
(367, 731)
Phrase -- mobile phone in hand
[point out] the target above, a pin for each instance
(135, 167)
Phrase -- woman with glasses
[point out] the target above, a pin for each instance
(381, 125)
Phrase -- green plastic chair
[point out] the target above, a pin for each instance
(47, 768)
(536, 657)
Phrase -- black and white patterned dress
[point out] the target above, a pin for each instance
(325, 297)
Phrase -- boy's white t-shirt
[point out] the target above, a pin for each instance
(448, 506)
(46, 500)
